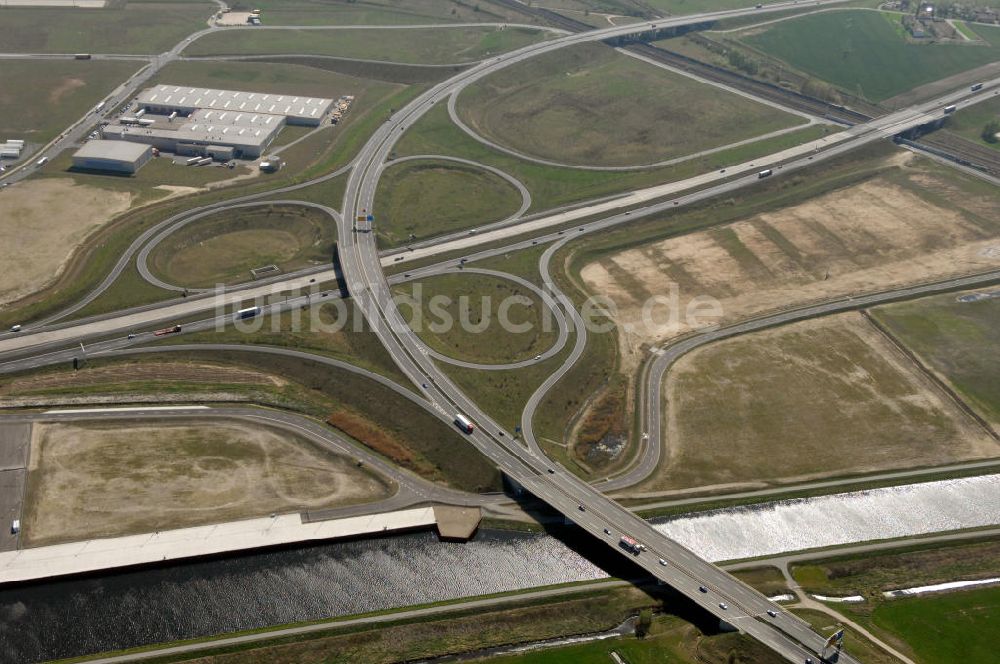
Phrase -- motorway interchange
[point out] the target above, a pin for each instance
(49, 341)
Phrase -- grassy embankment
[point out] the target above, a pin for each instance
(955, 339)
(417, 200)
(225, 246)
(136, 26)
(578, 105)
(379, 12)
(416, 46)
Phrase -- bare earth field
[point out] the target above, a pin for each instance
(903, 226)
(43, 221)
(836, 395)
(88, 480)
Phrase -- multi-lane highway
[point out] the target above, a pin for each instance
(362, 269)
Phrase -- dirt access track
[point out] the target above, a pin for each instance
(106, 479)
(907, 225)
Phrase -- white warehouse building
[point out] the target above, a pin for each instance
(222, 124)
(296, 110)
(222, 135)
(114, 156)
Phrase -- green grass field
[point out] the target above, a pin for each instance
(272, 78)
(865, 52)
(137, 26)
(871, 574)
(378, 12)
(553, 186)
(459, 315)
(970, 122)
(225, 246)
(40, 98)
(420, 199)
(579, 105)
(954, 628)
(957, 340)
(417, 46)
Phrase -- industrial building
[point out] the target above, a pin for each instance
(296, 110)
(222, 124)
(113, 156)
(222, 135)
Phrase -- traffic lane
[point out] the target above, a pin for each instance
(12, 343)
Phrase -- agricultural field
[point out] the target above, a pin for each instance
(88, 480)
(921, 222)
(40, 98)
(422, 198)
(832, 394)
(134, 26)
(225, 246)
(957, 340)
(972, 123)
(379, 12)
(578, 106)
(286, 79)
(867, 53)
(458, 315)
(945, 629)
(416, 46)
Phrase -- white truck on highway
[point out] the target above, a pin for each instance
(464, 423)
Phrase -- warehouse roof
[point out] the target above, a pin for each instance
(198, 132)
(184, 97)
(119, 150)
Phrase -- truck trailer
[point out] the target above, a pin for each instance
(464, 423)
(249, 312)
(631, 545)
(167, 330)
